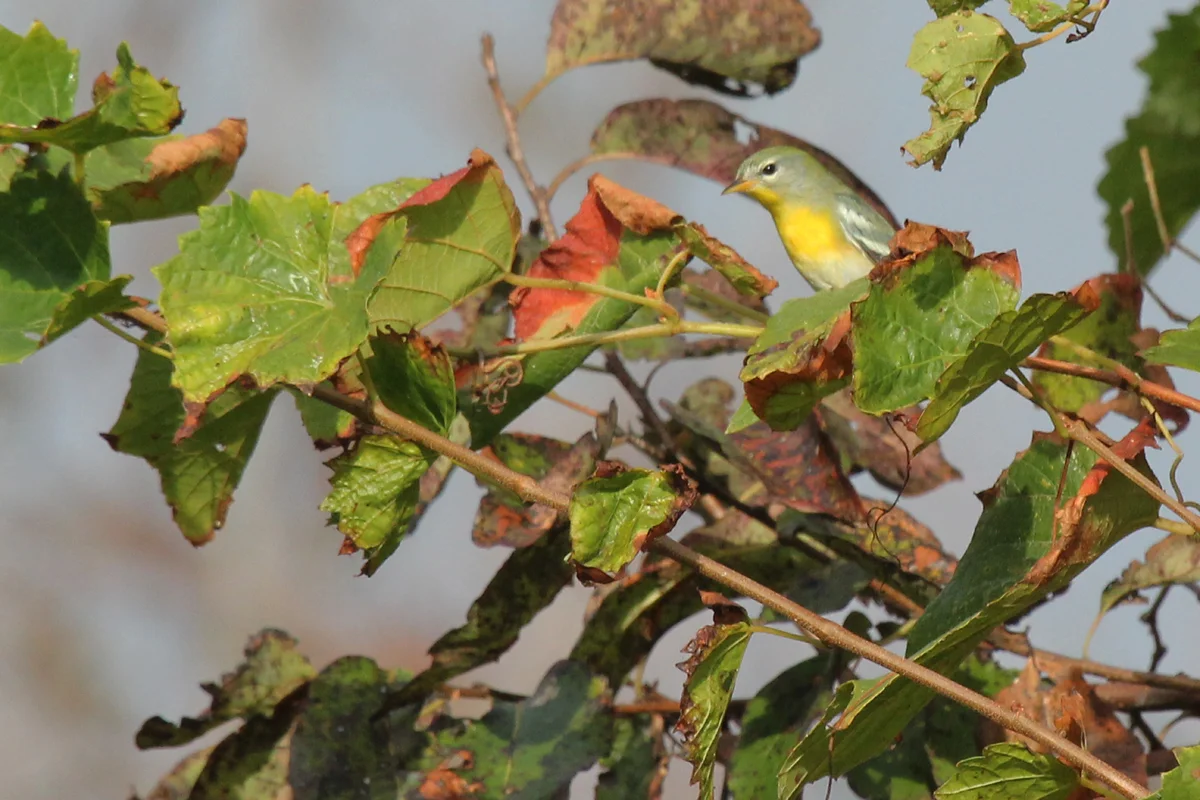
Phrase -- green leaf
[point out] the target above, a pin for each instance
(142, 179)
(533, 749)
(328, 426)
(130, 103)
(637, 762)
(273, 669)
(1108, 331)
(715, 656)
(198, 473)
(265, 288)
(995, 350)
(794, 773)
(375, 490)
(944, 7)
(963, 57)
(1180, 783)
(774, 720)
(38, 77)
(613, 516)
(1169, 127)
(1174, 560)
(706, 139)
(1017, 556)
(1009, 770)
(911, 328)
(338, 752)
(414, 378)
(457, 234)
(54, 263)
(251, 763)
(1178, 348)
(1040, 16)
(800, 357)
(714, 43)
(527, 582)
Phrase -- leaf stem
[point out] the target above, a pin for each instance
(795, 637)
(136, 342)
(578, 164)
(528, 282)
(509, 117)
(630, 334)
(676, 263)
(533, 92)
(1077, 21)
(734, 307)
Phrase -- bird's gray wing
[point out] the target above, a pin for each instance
(864, 226)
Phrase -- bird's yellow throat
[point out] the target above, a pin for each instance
(809, 235)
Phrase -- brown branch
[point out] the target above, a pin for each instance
(826, 631)
(509, 118)
(1122, 378)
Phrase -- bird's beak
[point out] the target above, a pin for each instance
(738, 187)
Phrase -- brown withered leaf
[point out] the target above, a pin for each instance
(886, 451)
(503, 518)
(1067, 703)
(731, 46)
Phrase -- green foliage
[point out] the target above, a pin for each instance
(1169, 128)
(907, 332)
(963, 57)
(612, 516)
(275, 293)
(1180, 783)
(1009, 770)
(994, 351)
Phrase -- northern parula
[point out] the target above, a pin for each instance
(831, 234)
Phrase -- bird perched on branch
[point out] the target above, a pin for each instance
(832, 235)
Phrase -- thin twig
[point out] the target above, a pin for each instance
(1168, 242)
(661, 306)
(136, 342)
(580, 163)
(509, 118)
(1151, 620)
(1123, 378)
(656, 331)
(574, 406)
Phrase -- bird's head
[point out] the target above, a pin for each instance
(771, 175)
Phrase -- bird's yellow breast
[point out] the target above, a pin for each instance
(811, 235)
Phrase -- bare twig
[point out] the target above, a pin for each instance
(1123, 378)
(1151, 620)
(1168, 242)
(509, 118)
(580, 163)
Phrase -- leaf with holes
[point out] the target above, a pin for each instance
(718, 43)
(963, 57)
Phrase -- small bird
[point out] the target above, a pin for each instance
(832, 235)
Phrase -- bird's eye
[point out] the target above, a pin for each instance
(769, 169)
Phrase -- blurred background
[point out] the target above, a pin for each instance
(107, 616)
